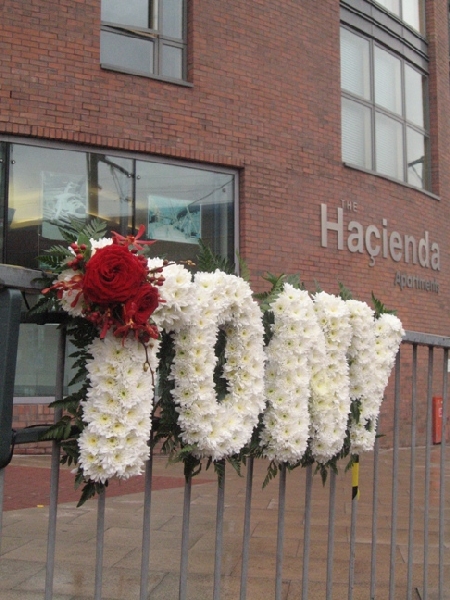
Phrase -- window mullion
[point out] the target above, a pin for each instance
(403, 88)
(372, 100)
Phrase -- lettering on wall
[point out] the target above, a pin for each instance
(378, 241)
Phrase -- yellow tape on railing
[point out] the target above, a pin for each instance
(355, 479)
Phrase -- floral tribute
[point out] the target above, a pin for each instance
(108, 283)
(294, 377)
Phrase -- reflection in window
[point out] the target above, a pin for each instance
(3, 211)
(182, 205)
(49, 187)
(383, 122)
(145, 37)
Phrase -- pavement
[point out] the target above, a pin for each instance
(25, 518)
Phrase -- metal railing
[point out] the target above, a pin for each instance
(421, 367)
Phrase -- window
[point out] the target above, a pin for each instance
(144, 37)
(383, 111)
(409, 11)
(178, 203)
(44, 187)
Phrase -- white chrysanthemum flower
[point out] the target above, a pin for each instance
(330, 385)
(117, 409)
(72, 300)
(101, 243)
(176, 293)
(372, 354)
(287, 365)
(219, 429)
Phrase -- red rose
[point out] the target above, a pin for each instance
(113, 275)
(140, 307)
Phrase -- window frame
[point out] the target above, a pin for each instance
(160, 40)
(400, 118)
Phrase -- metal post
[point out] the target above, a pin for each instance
(145, 557)
(427, 470)
(351, 571)
(246, 539)
(331, 520)
(395, 468)
(307, 532)
(373, 558)
(10, 305)
(54, 473)
(185, 540)
(99, 547)
(280, 533)
(412, 475)
(444, 432)
(219, 535)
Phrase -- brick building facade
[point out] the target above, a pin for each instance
(255, 91)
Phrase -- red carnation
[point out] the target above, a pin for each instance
(113, 275)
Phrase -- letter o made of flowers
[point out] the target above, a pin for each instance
(219, 429)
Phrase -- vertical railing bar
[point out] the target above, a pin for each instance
(427, 470)
(373, 558)
(2, 491)
(246, 537)
(182, 593)
(351, 571)
(219, 535)
(99, 547)
(280, 533)
(331, 521)
(412, 475)
(395, 468)
(307, 532)
(145, 556)
(442, 475)
(54, 470)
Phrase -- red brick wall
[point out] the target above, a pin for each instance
(25, 415)
(265, 98)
